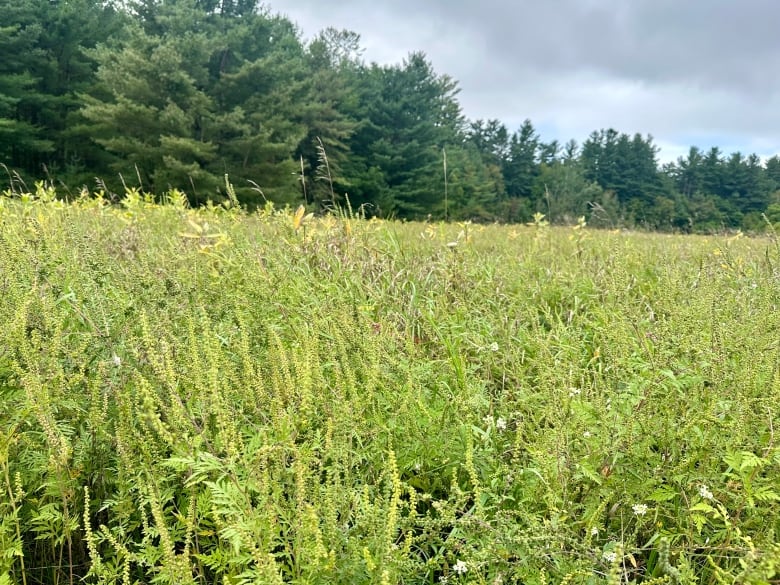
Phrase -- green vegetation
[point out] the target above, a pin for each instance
(161, 94)
(216, 396)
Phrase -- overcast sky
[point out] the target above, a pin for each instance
(688, 72)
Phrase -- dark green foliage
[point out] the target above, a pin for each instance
(207, 98)
(333, 61)
(406, 115)
(19, 136)
(623, 164)
(45, 64)
(522, 164)
(564, 194)
(473, 187)
(161, 94)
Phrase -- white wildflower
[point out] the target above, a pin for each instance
(586, 434)
(488, 420)
(501, 423)
(574, 392)
(460, 567)
(116, 360)
(494, 346)
(639, 509)
(594, 531)
(609, 556)
(705, 492)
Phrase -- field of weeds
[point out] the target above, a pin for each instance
(214, 396)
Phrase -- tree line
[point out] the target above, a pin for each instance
(161, 94)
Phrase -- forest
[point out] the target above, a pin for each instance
(180, 94)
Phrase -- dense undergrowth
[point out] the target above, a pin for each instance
(212, 396)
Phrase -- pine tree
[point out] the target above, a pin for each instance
(332, 61)
(158, 119)
(406, 115)
(22, 138)
(522, 165)
(199, 90)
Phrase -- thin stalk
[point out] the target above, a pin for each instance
(16, 520)
(446, 187)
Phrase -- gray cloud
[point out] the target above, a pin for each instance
(689, 71)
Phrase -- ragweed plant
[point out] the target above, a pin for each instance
(211, 396)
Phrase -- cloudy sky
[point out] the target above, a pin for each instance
(688, 72)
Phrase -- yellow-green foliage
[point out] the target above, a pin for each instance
(213, 396)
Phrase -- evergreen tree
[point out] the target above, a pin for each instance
(473, 188)
(521, 167)
(744, 179)
(200, 90)
(549, 152)
(563, 192)
(179, 93)
(599, 158)
(263, 95)
(45, 64)
(628, 166)
(491, 139)
(406, 116)
(333, 59)
(772, 173)
(158, 120)
(20, 70)
(687, 173)
(712, 173)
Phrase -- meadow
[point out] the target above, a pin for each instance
(198, 396)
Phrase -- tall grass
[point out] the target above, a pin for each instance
(213, 396)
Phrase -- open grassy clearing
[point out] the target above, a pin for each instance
(210, 396)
